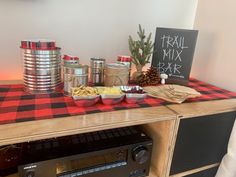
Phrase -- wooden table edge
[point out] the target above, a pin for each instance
(195, 109)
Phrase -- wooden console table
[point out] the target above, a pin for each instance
(162, 122)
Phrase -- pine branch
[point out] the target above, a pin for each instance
(141, 50)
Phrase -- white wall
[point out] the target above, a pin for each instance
(86, 28)
(215, 58)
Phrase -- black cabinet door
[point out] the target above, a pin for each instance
(201, 141)
(206, 173)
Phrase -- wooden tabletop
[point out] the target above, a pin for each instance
(189, 110)
(49, 128)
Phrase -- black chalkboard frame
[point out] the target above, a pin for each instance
(191, 36)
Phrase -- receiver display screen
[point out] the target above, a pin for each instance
(91, 162)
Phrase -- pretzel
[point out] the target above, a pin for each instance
(84, 91)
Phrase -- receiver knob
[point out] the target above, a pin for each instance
(140, 154)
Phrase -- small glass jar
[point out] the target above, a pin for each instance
(126, 60)
(116, 75)
(75, 76)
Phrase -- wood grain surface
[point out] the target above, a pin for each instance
(189, 110)
(42, 129)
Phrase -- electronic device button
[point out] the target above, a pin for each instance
(118, 164)
(138, 173)
(123, 163)
(30, 174)
(114, 165)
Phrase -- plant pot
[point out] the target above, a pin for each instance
(138, 72)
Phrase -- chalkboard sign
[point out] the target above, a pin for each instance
(173, 53)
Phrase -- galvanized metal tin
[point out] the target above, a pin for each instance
(51, 79)
(51, 83)
(97, 79)
(40, 63)
(42, 91)
(42, 52)
(42, 70)
(97, 66)
(42, 86)
(42, 77)
(44, 66)
(97, 63)
(41, 57)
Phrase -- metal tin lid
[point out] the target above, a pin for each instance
(116, 65)
(123, 58)
(69, 57)
(40, 44)
(98, 59)
(97, 63)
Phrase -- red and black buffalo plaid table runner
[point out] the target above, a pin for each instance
(18, 106)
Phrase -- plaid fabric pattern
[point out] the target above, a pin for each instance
(18, 106)
(209, 92)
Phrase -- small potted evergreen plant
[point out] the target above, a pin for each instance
(141, 51)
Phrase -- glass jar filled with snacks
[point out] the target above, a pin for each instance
(74, 76)
(116, 74)
(126, 60)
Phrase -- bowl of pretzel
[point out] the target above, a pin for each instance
(84, 96)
